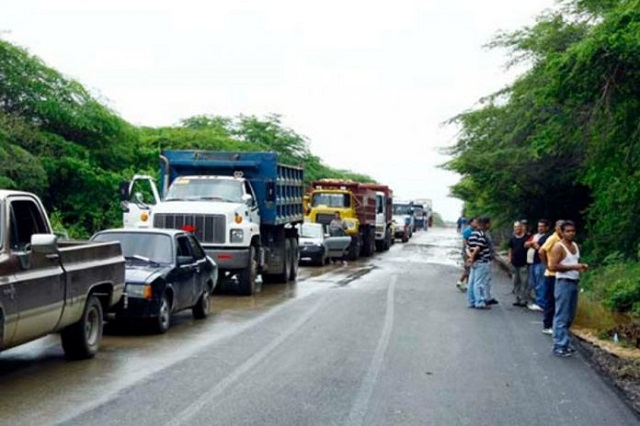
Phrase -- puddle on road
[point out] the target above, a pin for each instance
(437, 246)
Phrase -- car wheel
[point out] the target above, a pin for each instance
(162, 322)
(201, 308)
(82, 339)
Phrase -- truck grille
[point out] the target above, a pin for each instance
(324, 218)
(210, 228)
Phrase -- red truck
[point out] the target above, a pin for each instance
(384, 215)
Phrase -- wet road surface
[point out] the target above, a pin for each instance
(382, 341)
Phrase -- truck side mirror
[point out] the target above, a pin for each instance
(138, 198)
(44, 243)
(124, 191)
(247, 199)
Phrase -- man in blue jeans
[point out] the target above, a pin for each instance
(565, 261)
(537, 266)
(479, 248)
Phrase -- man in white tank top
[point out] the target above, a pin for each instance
(565, 261)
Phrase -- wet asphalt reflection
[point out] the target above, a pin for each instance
(38, 371)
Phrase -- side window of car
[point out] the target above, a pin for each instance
(196, 249)
(25, 220)
(183, 247)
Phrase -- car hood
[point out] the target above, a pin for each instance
(144, 273)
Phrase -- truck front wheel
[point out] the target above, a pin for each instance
(82, 339)
(247, 276)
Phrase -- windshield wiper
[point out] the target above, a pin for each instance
(226, 200)
(141, 258)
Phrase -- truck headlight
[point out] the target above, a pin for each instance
(237, 235)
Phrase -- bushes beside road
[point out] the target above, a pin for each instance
(562, 141)
(61, 142)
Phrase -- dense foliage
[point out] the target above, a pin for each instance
(59, 141)
(562, 141)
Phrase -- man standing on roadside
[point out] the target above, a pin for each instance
(565, 261)
(549, 278)
(536, 272)
(480, 262)
(472, 225)
(517, 256)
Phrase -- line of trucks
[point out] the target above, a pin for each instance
(244, 208)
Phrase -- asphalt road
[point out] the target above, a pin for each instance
(386, 341)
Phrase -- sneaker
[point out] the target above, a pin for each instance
(492, 302)
(562, 353)
(483, 307)
(463, 288)
(534, 307)
(344, 263)
(548, 331)
(571, 349)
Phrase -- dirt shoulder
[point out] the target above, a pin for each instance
(620, 365)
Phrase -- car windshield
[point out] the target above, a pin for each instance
(154, 247)
(205, 189)
(312, 231)
(401, 209)
(330, 200)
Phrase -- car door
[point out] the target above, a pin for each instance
(8, 304)
(39, 278)
(202, 268)
(186, 276)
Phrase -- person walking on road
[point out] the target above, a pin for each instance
(472, 225)
(549, 278)
(565, 261)
(536, 268)
(479, 261)
(517, 256)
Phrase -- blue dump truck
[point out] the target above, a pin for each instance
(242, 207)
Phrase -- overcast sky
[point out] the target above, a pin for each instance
(368, 82)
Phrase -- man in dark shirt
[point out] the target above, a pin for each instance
(518, 260)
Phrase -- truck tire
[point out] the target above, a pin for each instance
(282, 277)
(247, 276)
(82, 339)
(367, 244)
(201, 309)
(354, 249)
(295, 259)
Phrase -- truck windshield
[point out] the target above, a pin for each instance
(330, 200)
(205, 189)
(401, 209)
(155, 247)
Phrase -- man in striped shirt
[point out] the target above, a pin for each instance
(479, 247)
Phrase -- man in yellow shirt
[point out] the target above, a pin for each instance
(549, 278)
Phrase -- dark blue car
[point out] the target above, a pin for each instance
(166, 271)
